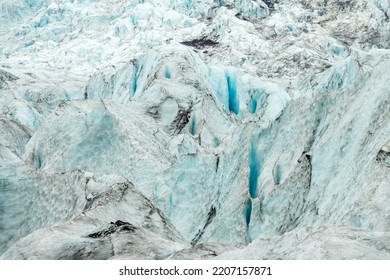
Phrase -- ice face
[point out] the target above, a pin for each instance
(93, 234)
(33, 199)
(192, 128)
(88, 133)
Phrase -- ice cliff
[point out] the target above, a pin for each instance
(194, 129)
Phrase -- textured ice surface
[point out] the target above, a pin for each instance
(32, 199)
(194, 129)
(84, 134)
(320, 243)
(117, 221)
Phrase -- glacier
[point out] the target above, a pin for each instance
(227, 129)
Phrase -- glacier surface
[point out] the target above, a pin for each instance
(209, 129)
